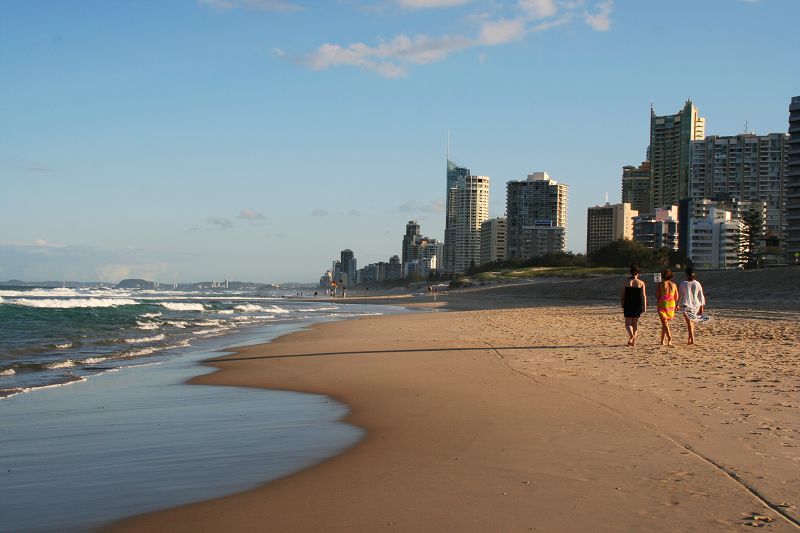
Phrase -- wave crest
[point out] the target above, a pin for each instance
(71, 303)
(142, 340)
(177, 306)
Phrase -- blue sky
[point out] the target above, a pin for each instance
(255, 139)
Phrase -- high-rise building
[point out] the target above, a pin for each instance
(493, 240)
(657, 229)
(636, 187)
(537, 240)
(348, 266)
(471, 208)
(747, 167)
(715, 241)
(608, 223)
(410, 241)
(532, 204)
(454, 173)
(417, 247)
(394, 270)
(670, 154)
(792, 216)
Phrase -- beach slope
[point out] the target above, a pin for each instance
(512, 420)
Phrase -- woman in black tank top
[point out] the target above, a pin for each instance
(634, 303)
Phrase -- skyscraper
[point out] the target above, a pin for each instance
(410, 241)
(608, 223)
(793, 179)
(470, 208)
(670, 154)
(348, 262)
(493, 240)
(536, 209)
(636, 186)
(747, 167)
(454, 172)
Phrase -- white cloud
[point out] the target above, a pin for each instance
(263, 5)
(220, 222)
(538, 8)
(250, 215)
(388, 58)
(502, 31)
(428, 4)
(394, 58)
(601, 20)
(320, 212)
(44, 244)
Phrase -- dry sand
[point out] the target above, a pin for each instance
(531, 419)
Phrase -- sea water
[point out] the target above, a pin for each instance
(132, 437)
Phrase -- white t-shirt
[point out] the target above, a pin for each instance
(691, 296)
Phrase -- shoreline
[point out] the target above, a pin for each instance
(472, 478)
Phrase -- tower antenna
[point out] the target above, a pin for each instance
(448, 144)
(746, 123)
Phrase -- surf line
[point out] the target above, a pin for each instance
(728, 473)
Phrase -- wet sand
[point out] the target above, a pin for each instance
(530, 419)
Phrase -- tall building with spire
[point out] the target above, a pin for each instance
(454, 173)
(670, 154)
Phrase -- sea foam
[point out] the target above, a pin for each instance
(61, 364)
(142, 340)
(72, 302)
(40, 292)
(176, 306)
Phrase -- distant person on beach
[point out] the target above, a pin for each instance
(667, 294)
(634, 303)
(692, 301)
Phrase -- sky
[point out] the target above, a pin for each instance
(255, 139)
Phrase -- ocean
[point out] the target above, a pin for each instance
(53, 336)
(98, 422)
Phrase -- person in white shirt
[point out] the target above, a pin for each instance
(691, 301)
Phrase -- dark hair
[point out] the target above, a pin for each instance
(667, 275)
(689, 273)
(634, 270)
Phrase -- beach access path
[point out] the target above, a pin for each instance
(530, 419)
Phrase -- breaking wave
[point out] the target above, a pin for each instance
(71, 302)
(176, 306)
(142, 340)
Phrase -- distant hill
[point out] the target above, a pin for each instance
(135, 284)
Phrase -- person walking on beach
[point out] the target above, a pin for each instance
(692, 301)
(634, 303)
(667, 294)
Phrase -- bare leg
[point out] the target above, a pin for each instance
(690, 328)
(634, 330)
(669, 333)
(629, 330)
(664, 328)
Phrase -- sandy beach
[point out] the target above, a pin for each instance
(507, 417)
